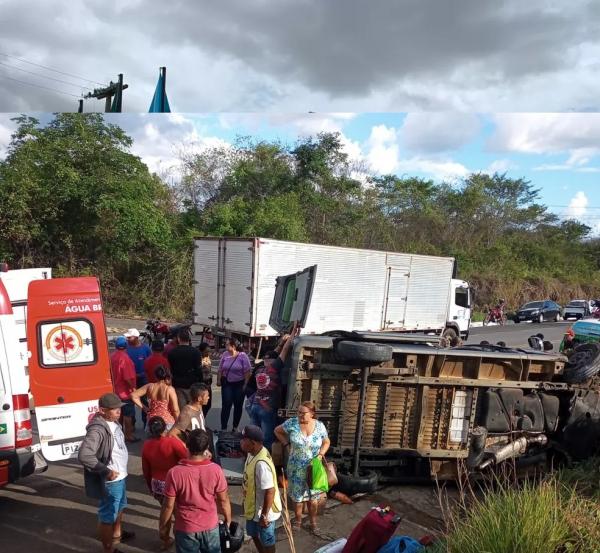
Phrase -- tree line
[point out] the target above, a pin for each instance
(75, 198)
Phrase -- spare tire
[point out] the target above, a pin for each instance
(365, 482)
(584, 363)
(363, 353)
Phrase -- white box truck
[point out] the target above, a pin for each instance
(346, 288)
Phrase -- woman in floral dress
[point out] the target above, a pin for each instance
(307, 438)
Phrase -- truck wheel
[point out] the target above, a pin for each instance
(365, 482)
(450, 334)
(363, 353)
(584, 363)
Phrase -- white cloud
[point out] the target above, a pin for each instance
(303, 124)
(442, 170)
(577, 206)
(383, 157)
(500, 166)
(438, 132)
(5, 136)
(574, 134)
(383, 150)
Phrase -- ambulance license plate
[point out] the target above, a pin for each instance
(70, 448)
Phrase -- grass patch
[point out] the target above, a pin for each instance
(560, 514)
(583, 477)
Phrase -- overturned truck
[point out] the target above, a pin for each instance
(399, 407)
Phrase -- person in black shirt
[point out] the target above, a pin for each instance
(186, 367)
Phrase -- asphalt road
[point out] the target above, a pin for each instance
(516, 335)
(49, 512)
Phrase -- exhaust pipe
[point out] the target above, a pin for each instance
(513, 450)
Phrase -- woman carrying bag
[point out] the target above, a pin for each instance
(234, 373)
(307, 438)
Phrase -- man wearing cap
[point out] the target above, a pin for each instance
(262, 502)
(104, 456)
(124, 382)
(138, 352)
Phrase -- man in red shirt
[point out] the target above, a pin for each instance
(156, 359)
(198, 487)
(123, 375)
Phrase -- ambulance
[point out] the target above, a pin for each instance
(66, 369)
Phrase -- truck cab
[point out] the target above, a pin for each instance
(459, 309)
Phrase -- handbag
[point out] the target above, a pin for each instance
(331, 470)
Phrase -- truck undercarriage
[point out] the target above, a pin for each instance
(404, 407)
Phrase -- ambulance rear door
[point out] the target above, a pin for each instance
(69, 363)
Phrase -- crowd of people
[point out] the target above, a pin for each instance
(172, 387)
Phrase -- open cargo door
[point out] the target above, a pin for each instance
(292, 299)
(69, 365)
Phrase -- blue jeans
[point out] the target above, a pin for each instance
(266, 421)
(113, 502)
(198, 542)
(265, 535)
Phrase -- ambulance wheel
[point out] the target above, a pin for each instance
(365, 482)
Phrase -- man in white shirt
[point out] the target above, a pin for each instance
(104, 455)
(262, 502)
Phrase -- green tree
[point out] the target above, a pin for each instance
(73, 197)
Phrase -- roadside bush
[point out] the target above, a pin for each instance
(559, 514)
(510, 519)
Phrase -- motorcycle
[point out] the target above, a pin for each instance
(159, 330)
(495, 315)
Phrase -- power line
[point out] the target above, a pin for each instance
(40, 86)
(44, 76)
(50, 68)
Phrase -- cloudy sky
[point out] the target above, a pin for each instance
(558, 153)
(304, 55)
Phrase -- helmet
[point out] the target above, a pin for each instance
(232, 538)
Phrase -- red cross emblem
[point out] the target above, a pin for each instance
(63, 342)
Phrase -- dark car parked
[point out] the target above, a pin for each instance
(538, 312)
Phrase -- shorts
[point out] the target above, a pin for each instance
(128, 408)
(265, 535)
(113, 502)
